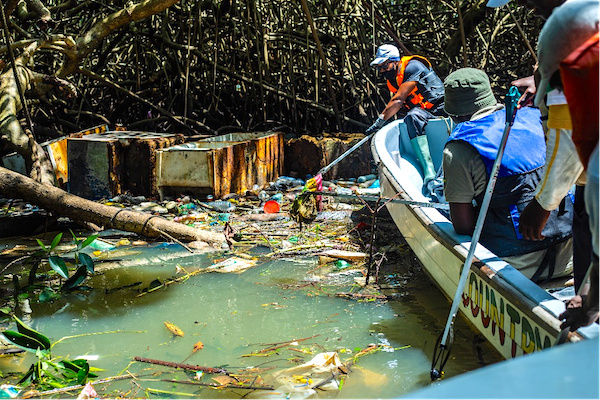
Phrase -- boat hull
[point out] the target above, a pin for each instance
(515, 315)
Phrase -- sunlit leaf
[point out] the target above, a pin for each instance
(87, 241)
(23, 341)
(87, 261)
(58, 264)
(174, 329)
(26, 330)
(78, 277)
(56, 241)
(198, 346)
(83, 374)
(42, 245)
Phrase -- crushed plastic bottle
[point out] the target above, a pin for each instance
(263, 196)
(343, 190)
(277, 197)
(341, 264)
(223, 206)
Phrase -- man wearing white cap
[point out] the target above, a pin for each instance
(415, 87)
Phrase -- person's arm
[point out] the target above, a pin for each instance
(582, 310)
(397, 101)
(561, 171)
(393, 106)
(464, 178)
(527, 85)
(463, 218)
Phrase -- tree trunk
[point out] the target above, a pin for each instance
(15, 185)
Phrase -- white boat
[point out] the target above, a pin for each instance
(514, 314)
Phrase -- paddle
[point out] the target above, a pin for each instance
(442, 349)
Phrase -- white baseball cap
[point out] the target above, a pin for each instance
(497, 3)
(569, 26)
(386, 52)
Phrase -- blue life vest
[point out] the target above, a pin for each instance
(520, 171)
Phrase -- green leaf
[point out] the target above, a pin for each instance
(83, 374)
(87, 241)
(78, 277)
(58, 264)
(87, 261)
(56, 241)
(23, 341)
(47, 295)
(28, 375)
(42, 245)
(26, 330)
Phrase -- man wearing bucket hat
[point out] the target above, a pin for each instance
(467, 162)
(415, 88)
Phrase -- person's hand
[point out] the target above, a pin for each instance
(577, 314)
(527, 86)
(532, 221)
(379, 122)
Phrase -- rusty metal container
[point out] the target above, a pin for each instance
(219, 165)
(103, 165)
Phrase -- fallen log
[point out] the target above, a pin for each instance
(15, 185)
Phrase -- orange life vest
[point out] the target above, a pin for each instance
(415, 98)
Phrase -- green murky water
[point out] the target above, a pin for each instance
(233, 314)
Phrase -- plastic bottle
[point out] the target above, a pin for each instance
(223, 206)
(343, 190)
(263, 196)
(277, 197)
(365, 178)
(341, 264)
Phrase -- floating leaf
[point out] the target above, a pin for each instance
(56, 241)
(225, 380)
(174, 329)
(87, 241)
(198, 346)
(87, 261)
(47, 295)
(78, 277)
(25, 330)
(23, 341)
(58, 264)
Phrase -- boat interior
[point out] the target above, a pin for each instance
(393, 148)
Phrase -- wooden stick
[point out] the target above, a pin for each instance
(35, 393)
(218, 386)
(208, 370)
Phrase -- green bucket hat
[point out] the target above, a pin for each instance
(467, 91)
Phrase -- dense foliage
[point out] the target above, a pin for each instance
(226, 65)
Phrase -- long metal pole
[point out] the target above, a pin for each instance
(511, 99)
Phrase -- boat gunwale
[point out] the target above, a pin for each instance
(534, 304)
